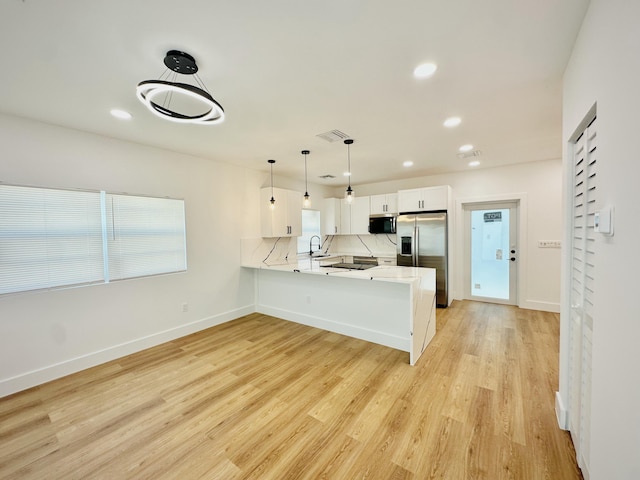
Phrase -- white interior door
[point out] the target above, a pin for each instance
(581, 293)
(491, 252)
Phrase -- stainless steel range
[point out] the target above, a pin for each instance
(359, 263)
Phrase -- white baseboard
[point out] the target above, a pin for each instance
(373, 336)
(561, 413)
(51, 372)
(542, 306)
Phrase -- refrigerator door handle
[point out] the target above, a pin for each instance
(415, 246)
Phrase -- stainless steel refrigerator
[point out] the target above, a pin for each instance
(422, 242)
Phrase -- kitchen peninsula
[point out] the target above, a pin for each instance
(389, 305)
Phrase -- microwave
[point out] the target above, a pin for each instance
(383, 223)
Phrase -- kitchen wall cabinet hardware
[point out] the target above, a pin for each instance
(424, 199)
(285, 220)
(385, 203)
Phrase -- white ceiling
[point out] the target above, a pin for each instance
(287, 70)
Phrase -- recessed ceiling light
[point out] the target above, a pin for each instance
(452, 122)
(475, 163)
(466, 148)
(347, 174)
(121, 114)
(408, 163)
(425, 70)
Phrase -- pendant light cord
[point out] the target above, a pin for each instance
(306, 188)
(349, 161)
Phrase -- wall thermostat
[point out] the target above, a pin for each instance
(602, 221)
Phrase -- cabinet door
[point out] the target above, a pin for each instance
(378, 204)
(392, 203)
(273, 222)
(285, 219)
(435, 198)
(294, 213)
(345, 217)
(410, 200)
(331, 213)
(360, 216)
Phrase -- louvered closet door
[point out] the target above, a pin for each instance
(582, 275)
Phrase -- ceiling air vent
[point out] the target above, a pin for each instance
(333, 136)
(327, 176)
(473, 153)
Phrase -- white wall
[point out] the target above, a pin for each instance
(540, 186)
(605, 68)
(48, 334)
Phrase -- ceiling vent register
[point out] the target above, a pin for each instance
(471, 154)
(333, 136)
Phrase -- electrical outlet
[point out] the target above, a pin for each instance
(185, 307)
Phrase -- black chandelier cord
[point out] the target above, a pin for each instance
(201, 83)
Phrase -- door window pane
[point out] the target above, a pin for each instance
(490, 253)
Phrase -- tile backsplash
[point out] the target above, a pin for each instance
(379, 245)
(280, 250)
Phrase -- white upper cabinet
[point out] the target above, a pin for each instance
(424, 199)
(385, 203)
(331, 216)
(342, 218)
(285, 220)
(354, 217)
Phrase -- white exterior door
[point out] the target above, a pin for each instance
(491, 252)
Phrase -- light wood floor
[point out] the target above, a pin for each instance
(263, 398)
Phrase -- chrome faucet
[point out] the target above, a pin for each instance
(311, 244)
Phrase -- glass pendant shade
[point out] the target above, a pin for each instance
(349, 194)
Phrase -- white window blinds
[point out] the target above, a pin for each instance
(49, 238)
(52, 238)
(145, 236)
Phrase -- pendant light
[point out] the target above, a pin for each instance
(349, 194)
(307, 201)
(273, 200)
(150, 91)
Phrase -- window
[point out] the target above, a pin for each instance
(145, 236)
(51, 238)
(310, 227)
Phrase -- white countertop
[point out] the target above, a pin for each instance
(383, 273)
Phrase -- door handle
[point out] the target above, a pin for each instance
(513, 259)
